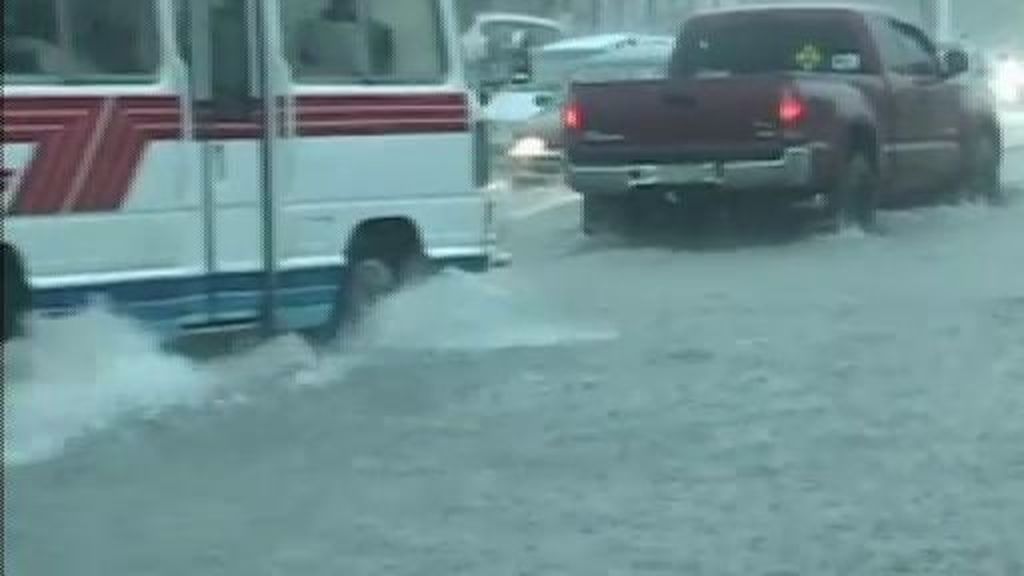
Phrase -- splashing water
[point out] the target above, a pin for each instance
(80, 374)
(83, 374)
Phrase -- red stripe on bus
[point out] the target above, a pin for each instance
(57, 160)
(129, 134)
(57, 178)
(115, 149)
(383, 128)
(453, 99)
(64, 130)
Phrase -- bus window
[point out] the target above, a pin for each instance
(183, 30)
(231, 85)
(81, 41)
(356, 42)
(409, 35)
(325, 40)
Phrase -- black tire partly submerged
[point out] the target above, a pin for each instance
(981, 178)
(604, 215)
(16, 295)
(854, 200)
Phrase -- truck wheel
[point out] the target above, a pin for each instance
(16, 296)
(981, 179)
(602, 215)
(854, 200)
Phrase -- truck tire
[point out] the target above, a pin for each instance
(854, 200)
(16, 296)
(982, 163)
(603, 215)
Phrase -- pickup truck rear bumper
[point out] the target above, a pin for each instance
(794, 170)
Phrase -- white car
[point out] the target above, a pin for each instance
(494, 26)
(491, 44)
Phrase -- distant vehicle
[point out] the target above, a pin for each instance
(537, 152)
(495, 43)
(551, 68)
(1008, 79)
(852, 108)
(144, 166)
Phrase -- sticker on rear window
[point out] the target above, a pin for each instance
(809, 58)
(846, 62)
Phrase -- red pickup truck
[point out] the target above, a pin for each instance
(853, 108)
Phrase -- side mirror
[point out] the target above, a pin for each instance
(955, 62)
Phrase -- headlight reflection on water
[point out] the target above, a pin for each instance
(530, 147)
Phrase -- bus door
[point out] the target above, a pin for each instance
(241, 125)
(382, 128)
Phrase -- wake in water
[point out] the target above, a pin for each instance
(79, 375)
(458, 311)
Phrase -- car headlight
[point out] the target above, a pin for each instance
(529, 147)
(1008, 81)
(1006, 90)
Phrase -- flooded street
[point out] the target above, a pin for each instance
(828, 405)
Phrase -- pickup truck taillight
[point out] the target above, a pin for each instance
(792, 109)
(572, 117)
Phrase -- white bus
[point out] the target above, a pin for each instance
(212, 162)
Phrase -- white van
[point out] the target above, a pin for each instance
(493, 46)
(209, 162)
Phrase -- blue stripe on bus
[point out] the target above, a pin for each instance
(305, 297)
(178, 288)
(212, 299)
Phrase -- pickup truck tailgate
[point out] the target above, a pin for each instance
(699, 120)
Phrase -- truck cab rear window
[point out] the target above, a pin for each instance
(80, 41)
(758, 45)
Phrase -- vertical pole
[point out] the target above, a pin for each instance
(267, 149)
(200, 32)
(944, 20)
(937, 16)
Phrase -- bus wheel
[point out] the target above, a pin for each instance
(367, 282)
(16, 296)
(382, 257)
